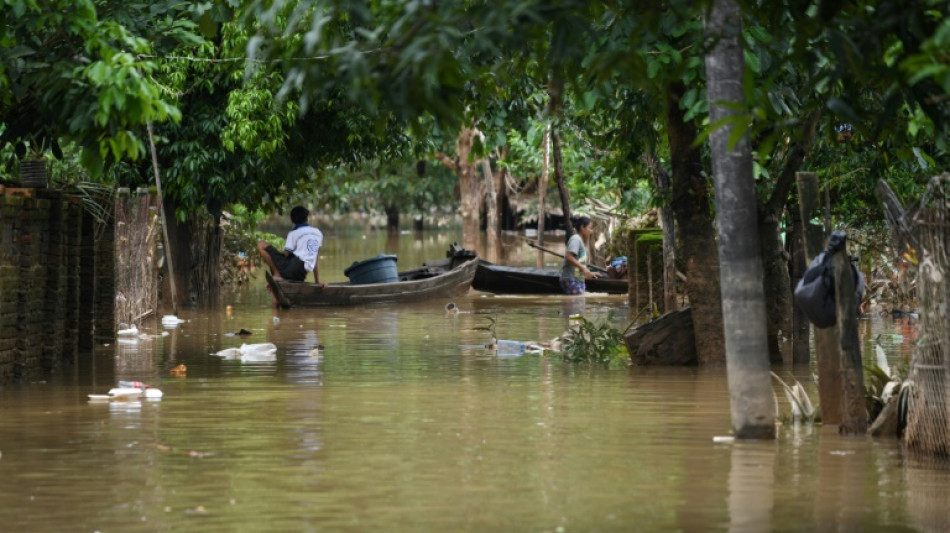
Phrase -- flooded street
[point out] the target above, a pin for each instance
(396, 418)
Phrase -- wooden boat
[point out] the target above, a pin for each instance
(445, 278)
(499, 279)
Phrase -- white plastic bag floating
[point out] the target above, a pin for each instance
(171, 321)
(264, 351)
(230, 353)
(128, 332)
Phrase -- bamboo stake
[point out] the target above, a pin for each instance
(161, 211)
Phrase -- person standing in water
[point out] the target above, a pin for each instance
(301, 250)
(574, 270)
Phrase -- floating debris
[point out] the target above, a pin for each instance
(171, 321)
(129, 390)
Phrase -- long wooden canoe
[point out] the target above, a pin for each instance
(445, 278)
(500, 279)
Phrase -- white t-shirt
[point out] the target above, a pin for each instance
(305, 241)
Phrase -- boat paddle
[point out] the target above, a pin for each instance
(552, 252)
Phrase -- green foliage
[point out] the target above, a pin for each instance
(82, 71)
(239, 243)
(376, 185)
(595, 342)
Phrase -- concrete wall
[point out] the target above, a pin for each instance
(56, 282)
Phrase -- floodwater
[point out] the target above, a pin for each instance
(398, 419)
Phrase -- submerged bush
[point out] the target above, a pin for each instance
(594, 342)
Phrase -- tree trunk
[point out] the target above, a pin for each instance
(195, 247)
(695, 238)
(543, 188)
(178, 250)
(392, 218)
(776, 285)
(801, 355)
(743, 298)
(778, 288)
(662, 181)
(470, 189)
(206, 254)
(561, 186)
(491, 206)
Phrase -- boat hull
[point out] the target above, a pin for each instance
(526, 280)
(438, 279)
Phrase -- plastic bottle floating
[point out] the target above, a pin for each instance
(508, 348)
(129, 390)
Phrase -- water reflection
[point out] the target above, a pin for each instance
(751, 486)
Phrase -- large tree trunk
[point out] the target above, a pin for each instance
(492, 241)
(777, 282)
(195, 248)
(776, 285)
(206, 251)
(695, 238)
(178, 250)
(392, 217)
(470, 187)
(795, 241)
(543, 189)
(743, 298)
(662, 181)
(561, 185)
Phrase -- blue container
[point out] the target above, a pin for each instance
(379, 269)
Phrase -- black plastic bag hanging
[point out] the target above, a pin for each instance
(815, 292)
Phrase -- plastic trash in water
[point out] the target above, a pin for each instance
(264, 351)
(451, 308)
(132, 331)
(229, 353)
(507, 348)
(124, 391)
(171, 321)
(134, 385)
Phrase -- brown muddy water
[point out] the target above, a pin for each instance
(402, 421)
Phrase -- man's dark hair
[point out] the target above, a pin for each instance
(299, 215)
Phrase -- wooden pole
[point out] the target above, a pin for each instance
(826, 340)
(161, 211)
(854, 419)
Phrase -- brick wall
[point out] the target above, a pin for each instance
(44, 247)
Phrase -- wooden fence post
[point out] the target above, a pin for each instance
(854, 413)
(826, 340)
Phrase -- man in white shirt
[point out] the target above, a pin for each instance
(301, 251)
